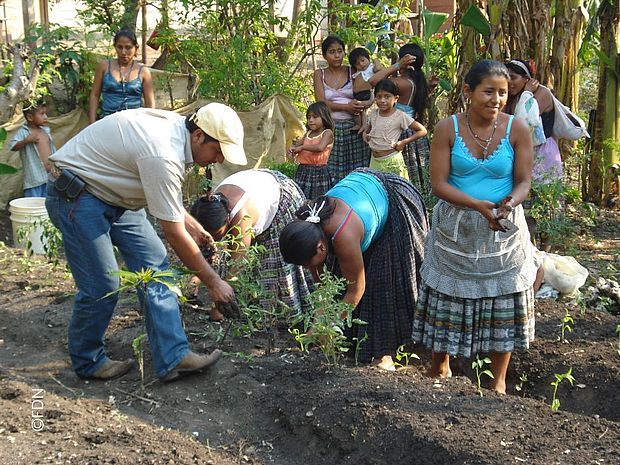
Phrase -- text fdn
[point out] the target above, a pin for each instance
(37, 410)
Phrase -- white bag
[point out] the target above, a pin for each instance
(566, 124)
(564, 274)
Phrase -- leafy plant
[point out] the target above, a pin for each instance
(138, 353)
(358, 345)
(4, 168)
(552, 223)
(288, 168)
(618, 333)
(565, 325)
(325, 324)
(555, 403)
(520, 386)
(401, 354)
(478, 366)
(51, 239)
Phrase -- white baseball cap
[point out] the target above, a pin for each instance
(223, 124)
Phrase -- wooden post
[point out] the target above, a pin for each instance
(144, 26)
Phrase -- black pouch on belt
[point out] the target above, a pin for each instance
(69, 185)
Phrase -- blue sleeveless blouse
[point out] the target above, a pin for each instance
(489, 179)
(368, 199)
(117, 96)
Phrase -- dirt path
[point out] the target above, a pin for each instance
(287, 407)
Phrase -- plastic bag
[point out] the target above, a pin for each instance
(566, 124)
(564, 273)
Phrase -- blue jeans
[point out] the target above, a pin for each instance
(37, 191)
(90, 230)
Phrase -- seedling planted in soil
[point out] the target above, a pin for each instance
(138, 353)
(401, 354)
(555, 403)
(618, 333)
(478, 366)
(567, 321)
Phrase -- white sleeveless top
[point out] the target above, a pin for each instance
(263, 189)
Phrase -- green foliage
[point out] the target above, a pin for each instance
(51, 239)
(473, 17)
(138, 353)
(62, 55)
(547, 210)
(432, 22)
(402, 355)
(520, 386)
(555, 403)
(287, 168)
(565, 325)
(325, 324)
(618, 333)
(478, 366)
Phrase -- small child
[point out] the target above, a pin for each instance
(384, 128)
(359, 59)
(313, 176)
(35, 145)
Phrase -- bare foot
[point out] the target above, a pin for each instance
(385, 363)
(439, 373)
(499, 387)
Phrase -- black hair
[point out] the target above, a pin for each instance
(483, 69)
(356, 54)
(420, 92)
(30, 107)
(387, 85)
(331, 40)
(321, 110)
(128, 33)
(191, 127)
(211, 211)
(298, 240)
(518, 70)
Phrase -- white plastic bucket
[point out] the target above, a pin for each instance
(24, 212)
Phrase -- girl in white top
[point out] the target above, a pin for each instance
(258, 204)
(384, 128)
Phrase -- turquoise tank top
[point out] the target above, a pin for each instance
(489, 179)
(368, 199)
(117, 96)
(407, 109)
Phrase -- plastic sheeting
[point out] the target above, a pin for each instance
(269, 129)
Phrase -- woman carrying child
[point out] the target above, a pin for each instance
(312, 154)
(476, 294)
(384, 129)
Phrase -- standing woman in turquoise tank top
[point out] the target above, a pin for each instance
(476, 294)
(122, 83)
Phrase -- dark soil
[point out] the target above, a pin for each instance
(286, 407)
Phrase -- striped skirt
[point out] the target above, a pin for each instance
(391, 266)
(416, 156)
(290, 283)
(466, 327)
(314, 180)
(349, 151)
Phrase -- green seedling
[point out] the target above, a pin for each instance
(138, 353)
(478, 366)
(555, 403)
(520, 386)
(51, 239)
(325, 324)
(401, 355)
(565, 326)
(618, 333)
(358, 345)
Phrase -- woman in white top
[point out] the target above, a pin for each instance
(258, 204)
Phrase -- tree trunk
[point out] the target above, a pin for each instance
(603, 175)
(22, 85)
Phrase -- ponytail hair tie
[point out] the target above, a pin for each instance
(313, 213)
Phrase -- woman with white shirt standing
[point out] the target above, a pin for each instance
(258, 204)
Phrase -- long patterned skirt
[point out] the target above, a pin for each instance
(314, 180)
(391, 265)
(416, 156)
(349, 151)
(290, 283)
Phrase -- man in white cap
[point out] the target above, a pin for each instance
(101, 182)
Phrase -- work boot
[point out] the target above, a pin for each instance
(192, 363)
(112, 369)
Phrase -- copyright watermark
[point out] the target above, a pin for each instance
(36, 407)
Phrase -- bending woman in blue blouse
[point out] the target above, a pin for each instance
(122, 83)
(373, 223)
